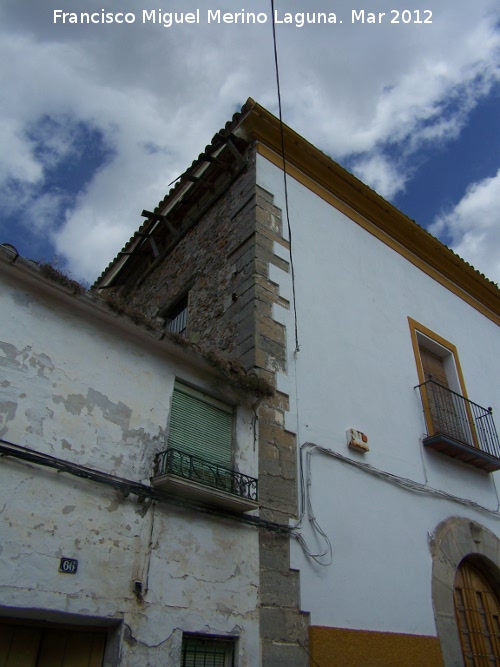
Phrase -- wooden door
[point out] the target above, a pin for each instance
(477, 612)
(446, 413)
(31, 646)
(18, 646)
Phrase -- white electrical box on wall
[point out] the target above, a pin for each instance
(357, 440)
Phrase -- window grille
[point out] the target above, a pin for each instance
(207, 652)
(176, 316)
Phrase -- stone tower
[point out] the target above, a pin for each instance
(200, 267)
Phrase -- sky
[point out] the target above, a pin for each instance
(97, 119)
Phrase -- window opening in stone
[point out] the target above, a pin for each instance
(199, 651)
(176, 316)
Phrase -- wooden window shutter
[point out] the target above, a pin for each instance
(201, 426)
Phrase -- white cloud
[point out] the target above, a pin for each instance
(157, 96)
(473, 227)
(382, 174)
(20, 163)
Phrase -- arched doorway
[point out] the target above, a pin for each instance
(477, 611)
(458, 545)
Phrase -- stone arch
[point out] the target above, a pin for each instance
(455, 539)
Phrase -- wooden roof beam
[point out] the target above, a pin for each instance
(160, 218)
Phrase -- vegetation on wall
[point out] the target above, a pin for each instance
(51, 272)
(232, 369)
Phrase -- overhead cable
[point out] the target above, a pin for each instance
(324, 557)
(285, 181)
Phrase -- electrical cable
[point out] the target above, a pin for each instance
(306, 505)
(309, 655)
(150, 546)
(408, 484)
(127, 486)
(403, 482)
(285, 181)
(307, 510)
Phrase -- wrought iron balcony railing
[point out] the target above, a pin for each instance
(459, 428)
(195, 469)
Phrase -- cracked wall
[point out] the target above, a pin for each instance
(76, 389)
(231, 259)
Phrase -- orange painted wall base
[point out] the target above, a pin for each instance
(338, 647)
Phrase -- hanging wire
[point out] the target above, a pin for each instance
(310, 656)
(297, 346)
(325, 556)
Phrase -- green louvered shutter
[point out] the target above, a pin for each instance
(201, 426)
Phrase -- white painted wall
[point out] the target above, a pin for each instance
(77, 385)
(356, 368)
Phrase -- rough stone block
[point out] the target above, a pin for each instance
(277, 514)
(270, 458)
(265, 360)
(245, 346)
(264, 244)
(246, 294)
(278, 493)
(442, 594)
(280, 401)
(454, 550)
(279, 589)
(269, 220)
(265, 194)
(243, 206)
(277, 435)
(449, 639)
(275, 555)
(283, 624)
(264, 249)
(271, 415)
(288, 465)
(284, 655)
(272, 330)
(267, 284)
(273, 348)
(246, 329)
(247, 359)
(243, 254)
(266, 375)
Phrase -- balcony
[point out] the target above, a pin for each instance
(191, 477)
(459, 428)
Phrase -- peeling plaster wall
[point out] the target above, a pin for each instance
(228, 258)
(80, 389)
(356, 369)
(75, 388)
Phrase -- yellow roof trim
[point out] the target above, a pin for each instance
(341, 189)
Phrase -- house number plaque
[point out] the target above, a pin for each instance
(68, 565)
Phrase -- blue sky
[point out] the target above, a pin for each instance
(474, 156)
(98, 119)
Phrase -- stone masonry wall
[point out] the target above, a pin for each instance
(217, 258)
(226, 257)
(284, 628)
